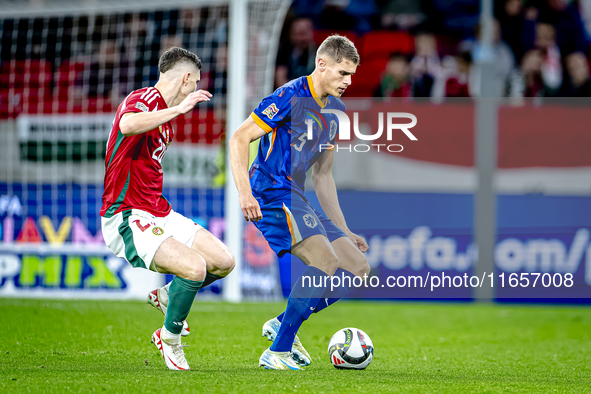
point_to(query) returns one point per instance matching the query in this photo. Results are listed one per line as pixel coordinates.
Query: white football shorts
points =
(136, 235)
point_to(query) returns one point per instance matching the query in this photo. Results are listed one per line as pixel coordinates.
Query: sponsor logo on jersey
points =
(141, 106)
(310, 221)
(271, 111)
(157, 231)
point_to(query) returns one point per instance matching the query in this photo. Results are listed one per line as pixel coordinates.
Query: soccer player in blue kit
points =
(272, 193)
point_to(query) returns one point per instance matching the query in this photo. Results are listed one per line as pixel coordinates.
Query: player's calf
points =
(158, 298)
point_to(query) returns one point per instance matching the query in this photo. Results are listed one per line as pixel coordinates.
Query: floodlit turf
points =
(56, 346)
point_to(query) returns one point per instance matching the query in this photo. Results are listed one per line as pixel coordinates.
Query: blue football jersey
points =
(285, 154)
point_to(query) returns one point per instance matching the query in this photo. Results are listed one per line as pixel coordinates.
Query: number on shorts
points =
(143, 228)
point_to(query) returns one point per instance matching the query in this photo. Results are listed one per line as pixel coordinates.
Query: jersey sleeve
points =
(141, 101)
(274, 110)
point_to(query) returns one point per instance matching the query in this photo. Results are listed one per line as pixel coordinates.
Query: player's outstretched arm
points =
(239, 150)
(326, 191)
(133, 123)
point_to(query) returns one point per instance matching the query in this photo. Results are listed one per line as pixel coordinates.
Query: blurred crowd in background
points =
(408, 48)
(89, 63)
(428, 48)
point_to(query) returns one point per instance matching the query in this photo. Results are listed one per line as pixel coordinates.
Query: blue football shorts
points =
(288, 219)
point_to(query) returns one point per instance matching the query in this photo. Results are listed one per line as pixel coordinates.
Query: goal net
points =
(64, 68)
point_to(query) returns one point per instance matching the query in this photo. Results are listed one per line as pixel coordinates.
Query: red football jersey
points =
(133, 177)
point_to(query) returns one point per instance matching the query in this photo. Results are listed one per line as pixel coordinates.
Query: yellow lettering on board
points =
(62, 233)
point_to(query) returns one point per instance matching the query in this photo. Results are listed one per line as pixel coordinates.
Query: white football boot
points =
(278, 360)
(174, 356)
(159, 299)
(300, 355)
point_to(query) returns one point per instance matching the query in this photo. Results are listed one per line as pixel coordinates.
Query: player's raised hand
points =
(193, 99)
(359, 241)
(250, 208)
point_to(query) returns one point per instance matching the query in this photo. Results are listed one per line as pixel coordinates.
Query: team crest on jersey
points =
(333, 129)
(157, 231)
(271, 111)
(310, 221)
(141, 106)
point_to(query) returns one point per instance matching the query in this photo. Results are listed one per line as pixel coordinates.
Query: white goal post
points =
(248, 20)
(237, 41)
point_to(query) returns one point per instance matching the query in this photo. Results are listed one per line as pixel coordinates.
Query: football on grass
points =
(350, 348)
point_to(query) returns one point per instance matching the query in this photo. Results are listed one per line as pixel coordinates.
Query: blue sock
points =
(331, 296)
(301, 303)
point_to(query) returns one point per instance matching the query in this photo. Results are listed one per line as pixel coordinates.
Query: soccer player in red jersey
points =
(138, 223)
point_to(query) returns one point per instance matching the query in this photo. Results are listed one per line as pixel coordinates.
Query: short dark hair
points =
(339, 48)
(176, 55)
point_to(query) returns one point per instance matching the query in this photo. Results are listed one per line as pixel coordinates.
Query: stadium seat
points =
(205, 80)
(16, 101)
(20, 74)
(68, 73)
(33, 100)
(6, 110)
(27, 84)
(367, 78)
(199, 126)
(379, 44)
(446, 45)
(97, 105)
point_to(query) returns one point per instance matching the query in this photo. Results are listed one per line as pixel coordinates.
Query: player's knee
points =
(365, 268)
(197, 271)
(361, 266)
(226, 264)
(331, 263)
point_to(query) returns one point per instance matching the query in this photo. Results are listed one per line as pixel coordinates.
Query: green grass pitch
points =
(90, 346)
